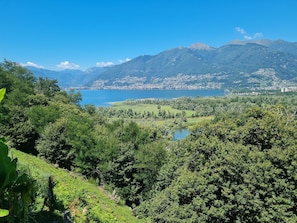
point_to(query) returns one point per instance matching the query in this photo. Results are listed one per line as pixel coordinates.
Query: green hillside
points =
(86, 201)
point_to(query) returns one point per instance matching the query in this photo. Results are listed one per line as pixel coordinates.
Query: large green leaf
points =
(2, 93)
(8, 173)
(3, 213)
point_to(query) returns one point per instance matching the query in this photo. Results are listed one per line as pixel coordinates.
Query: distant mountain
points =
(261, 64)
(255, 64)
(69, 78)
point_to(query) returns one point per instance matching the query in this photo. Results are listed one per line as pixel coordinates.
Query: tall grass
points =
(86, 201)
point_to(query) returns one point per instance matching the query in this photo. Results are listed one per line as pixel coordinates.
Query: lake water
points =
(105, 97)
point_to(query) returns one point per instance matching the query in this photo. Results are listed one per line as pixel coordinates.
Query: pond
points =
(181, 134)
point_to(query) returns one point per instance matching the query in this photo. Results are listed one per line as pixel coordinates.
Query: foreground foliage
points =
(17, 189)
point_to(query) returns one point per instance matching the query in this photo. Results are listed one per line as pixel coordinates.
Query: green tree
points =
(47, 87)
(19, 84)
(121, 174)
(148, 160)
(80, 136)
(53, 145)
(21, 131)
(40, 116)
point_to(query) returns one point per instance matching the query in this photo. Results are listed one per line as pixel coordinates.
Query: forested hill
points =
(261, 64)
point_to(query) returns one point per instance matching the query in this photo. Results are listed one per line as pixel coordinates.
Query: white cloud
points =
(258, 35)
(126, 60)
(109, 63)
(67, 65)
(30, 64)
(240, 30)
(246, 36)
(104, 64)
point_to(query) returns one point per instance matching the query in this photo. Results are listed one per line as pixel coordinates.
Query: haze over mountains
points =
(257, 64)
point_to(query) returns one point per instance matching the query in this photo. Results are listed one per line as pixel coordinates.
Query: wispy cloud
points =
(246, 36)
(240, 30)
(258, 35)
(109, 63)
(67, 65)
(30, 64)
(125, 60)
(104, 64)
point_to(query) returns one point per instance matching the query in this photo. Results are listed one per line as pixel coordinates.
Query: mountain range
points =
(257, 64)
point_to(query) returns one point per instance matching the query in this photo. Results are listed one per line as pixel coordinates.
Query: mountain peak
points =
(200, 46)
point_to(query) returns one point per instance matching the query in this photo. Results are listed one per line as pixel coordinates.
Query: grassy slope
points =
(76, 194)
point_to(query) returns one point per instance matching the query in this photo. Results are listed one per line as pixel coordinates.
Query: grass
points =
(170, 123)
(141, 108)
(196, 120)
(86, 201)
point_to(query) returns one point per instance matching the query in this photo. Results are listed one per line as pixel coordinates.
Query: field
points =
(89, 202)
(141, 108)
(176, 122)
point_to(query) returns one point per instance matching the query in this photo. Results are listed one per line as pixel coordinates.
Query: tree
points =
(81, 138)
(121, 174)
(47, 87)
(14, 124)
(74, 97)
(53, 145)
(148, 161)
(21, 131)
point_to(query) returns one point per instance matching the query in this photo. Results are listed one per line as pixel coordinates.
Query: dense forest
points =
(238, 164)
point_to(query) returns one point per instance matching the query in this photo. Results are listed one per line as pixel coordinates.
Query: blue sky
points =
(78, 34)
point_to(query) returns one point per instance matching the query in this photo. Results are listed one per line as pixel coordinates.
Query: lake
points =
(106, 97)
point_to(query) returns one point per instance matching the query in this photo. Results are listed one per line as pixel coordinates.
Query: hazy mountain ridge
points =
(261, 64)
(69, 78)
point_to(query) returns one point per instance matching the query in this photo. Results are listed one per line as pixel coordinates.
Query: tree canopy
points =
(238, 168)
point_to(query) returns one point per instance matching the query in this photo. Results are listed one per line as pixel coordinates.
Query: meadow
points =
(163, 117)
